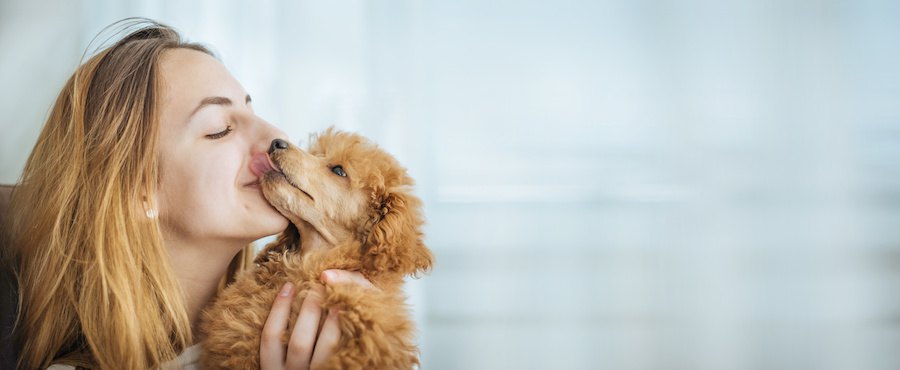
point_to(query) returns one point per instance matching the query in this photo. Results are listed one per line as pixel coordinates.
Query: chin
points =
(267, 220)
(271, 223)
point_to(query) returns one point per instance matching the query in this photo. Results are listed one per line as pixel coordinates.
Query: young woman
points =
(137, 200)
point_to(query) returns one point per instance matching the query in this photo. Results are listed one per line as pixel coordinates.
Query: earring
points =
(150, 211)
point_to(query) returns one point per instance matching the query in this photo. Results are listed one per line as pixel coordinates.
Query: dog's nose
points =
(278, 144)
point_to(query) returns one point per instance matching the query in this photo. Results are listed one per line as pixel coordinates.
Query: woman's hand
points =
(304, 350)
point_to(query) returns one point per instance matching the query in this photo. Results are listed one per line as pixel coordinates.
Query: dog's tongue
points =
(260, 164)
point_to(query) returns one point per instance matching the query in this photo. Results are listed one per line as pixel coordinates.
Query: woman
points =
(136, 201)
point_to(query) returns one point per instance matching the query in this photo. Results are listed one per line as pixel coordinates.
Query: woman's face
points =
(208, 133)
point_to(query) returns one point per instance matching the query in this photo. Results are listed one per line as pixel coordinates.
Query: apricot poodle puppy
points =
(350, 207)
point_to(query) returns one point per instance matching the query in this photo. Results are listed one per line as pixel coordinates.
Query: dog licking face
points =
(316, 193)
(348, 189)
(351, 207)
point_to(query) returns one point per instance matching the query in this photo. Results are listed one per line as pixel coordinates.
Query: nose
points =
(277, 144)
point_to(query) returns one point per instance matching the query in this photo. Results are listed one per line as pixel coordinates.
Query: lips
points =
(260, 164)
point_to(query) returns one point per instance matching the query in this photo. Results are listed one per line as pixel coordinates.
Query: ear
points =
(395, 241)
(288, 240)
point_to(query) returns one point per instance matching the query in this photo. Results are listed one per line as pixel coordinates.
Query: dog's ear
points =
(288, 240)
(395, 241)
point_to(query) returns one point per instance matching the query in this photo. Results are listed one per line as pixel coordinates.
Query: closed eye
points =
(338, 170)
(220, 134)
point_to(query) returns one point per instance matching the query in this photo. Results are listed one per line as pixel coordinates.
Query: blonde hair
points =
(96, 286)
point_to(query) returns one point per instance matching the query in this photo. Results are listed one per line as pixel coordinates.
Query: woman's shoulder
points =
(187, 360)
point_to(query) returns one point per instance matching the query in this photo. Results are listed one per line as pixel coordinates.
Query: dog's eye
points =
(338, 170)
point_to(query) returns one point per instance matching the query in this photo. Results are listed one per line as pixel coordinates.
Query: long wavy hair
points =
(96, 286)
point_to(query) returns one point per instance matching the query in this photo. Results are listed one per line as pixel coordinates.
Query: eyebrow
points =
(217, 100)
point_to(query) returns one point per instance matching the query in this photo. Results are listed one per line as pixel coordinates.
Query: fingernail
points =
(328, 275)
(286, 290)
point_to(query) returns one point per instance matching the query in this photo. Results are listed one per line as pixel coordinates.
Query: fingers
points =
(328, 340)
(303, 337)
(305, 349)
(332, 277)
(271, 350)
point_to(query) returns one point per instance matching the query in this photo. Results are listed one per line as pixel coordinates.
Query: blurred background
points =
(609, 184)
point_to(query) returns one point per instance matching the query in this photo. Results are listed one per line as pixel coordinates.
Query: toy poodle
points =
(350, 206)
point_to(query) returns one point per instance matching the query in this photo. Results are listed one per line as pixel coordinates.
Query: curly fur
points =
(369, 222)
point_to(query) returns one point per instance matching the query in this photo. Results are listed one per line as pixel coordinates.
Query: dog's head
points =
(345, 187)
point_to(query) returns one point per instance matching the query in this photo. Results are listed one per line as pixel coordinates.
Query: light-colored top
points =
(187, 360)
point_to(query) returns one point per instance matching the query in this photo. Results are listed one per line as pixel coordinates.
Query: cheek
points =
(358, 205)
(333, 198)
(198, 185)
(346, 204)
(181, 193)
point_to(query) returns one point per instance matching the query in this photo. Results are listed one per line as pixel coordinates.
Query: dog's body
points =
(350, 207)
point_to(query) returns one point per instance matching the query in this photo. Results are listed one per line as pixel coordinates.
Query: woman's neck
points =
(199, 269)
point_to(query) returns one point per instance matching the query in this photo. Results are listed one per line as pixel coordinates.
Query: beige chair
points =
(8, 296)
